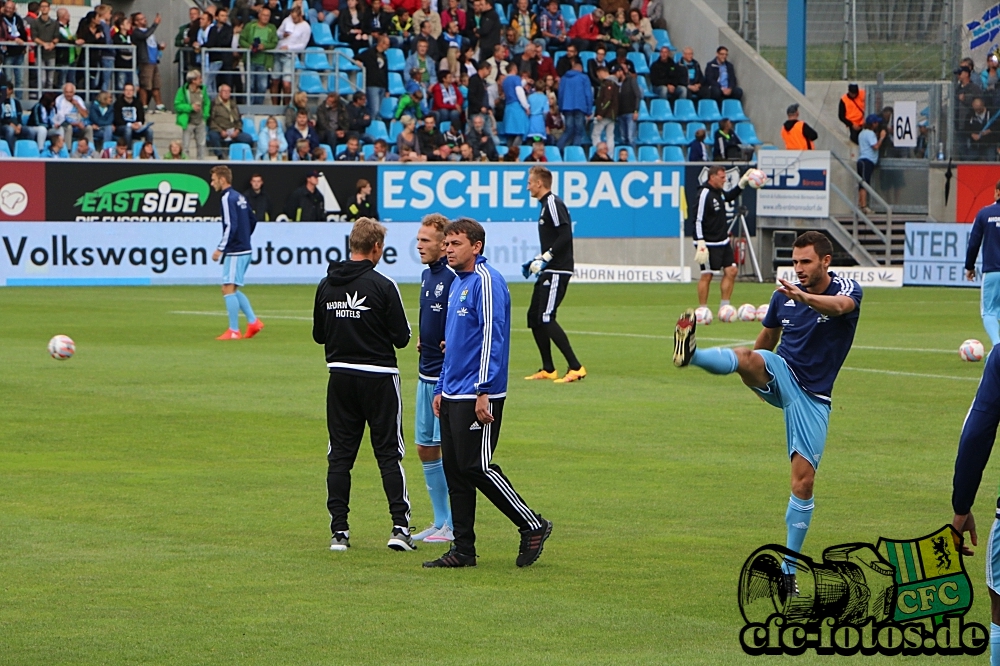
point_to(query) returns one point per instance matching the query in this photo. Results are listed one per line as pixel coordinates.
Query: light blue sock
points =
(994, 644)
(233, 308)
(245, 306)
(437, 488)
(717, 360)
(797, 518)
(992, 327)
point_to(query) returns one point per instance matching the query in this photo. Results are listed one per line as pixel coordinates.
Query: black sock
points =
(558, 336)
(544, 348)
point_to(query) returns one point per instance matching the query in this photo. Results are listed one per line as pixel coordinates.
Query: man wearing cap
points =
(965, 92)
(852, 110)
(796, 134)
(306, 203)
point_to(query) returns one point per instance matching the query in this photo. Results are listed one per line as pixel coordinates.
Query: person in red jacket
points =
(586, 32)
(447, 99)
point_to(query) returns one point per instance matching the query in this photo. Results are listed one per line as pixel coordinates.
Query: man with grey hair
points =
(192, 107)
(71, 115)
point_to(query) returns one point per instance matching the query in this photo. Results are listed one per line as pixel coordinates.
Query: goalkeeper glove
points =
(744, 180)
(539, 263)
(701, 254)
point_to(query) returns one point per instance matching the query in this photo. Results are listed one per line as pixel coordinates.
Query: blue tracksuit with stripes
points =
(238, 223)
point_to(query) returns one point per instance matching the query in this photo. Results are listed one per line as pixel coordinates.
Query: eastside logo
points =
(156, 197)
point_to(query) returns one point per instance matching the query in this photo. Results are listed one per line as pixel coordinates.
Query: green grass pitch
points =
(162, 495)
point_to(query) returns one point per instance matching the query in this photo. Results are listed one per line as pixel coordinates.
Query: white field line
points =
(223, 314)
(910, 374)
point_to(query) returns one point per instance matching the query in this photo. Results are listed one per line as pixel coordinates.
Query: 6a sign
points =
(904, 125)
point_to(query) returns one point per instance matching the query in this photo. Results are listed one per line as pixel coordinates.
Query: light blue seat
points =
(649, 135)
(368, 150)
(644, 116)
(445, 126)
(694, 127)
(396, 87)
(586, 56)
(659, 111)
(586, 9)
(574, 154)
(263, 124)
(525, 151)
(662, 38)
(329, 150)
(629, 149)
(4, 149)
(322, 35)
(240, 152)
(747, 134)
(673, 154)
(501, 150)
(708, 111)
(684, 111)
(343, 57)
(26, 148)
(316, 60)
(673, 135)
(647, 92)
(552, 154)
(569, 14)
(733, 109)
(639, 60)
(340, 83)
(377, 130)
(395, 61)
(395, 127)
(649, 154)
(309, 82)
(388, 108)
(249, 128)
(557, 57)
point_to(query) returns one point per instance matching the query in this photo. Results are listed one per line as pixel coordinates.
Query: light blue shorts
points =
(234, 267)
(993, 556)
(806, 418)
(989, 295)
(427, 431)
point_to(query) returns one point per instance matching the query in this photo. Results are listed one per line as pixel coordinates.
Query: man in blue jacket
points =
(576, 101)
(720, 77)
(238, 223)
(469, 399)
(986, 234)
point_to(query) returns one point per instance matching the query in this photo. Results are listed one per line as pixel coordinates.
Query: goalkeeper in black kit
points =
(553, 269)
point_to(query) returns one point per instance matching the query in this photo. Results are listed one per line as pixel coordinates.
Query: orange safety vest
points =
(794, 138)
(855, 108)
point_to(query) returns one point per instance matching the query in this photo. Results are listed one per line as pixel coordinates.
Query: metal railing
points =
(859, 215)
(85, 69)
(250, 82)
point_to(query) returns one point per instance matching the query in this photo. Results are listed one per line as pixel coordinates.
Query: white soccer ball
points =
(762, 312)
(703, 316)
(756, 178)
(747, 312)
(62, 347)
(972, 350)
(727, 314)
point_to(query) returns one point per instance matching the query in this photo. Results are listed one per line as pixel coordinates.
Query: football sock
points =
(544, 347)
(994, 644)
(245, 306)
(558, 336)
(437, 488)
(797, 518)
(233, 308)
(992, 327)
(717, 360)
(724, 301)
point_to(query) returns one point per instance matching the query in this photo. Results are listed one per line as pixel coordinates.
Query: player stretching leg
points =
(815, 322)
(435, 284)
(985, 232)
(978, 435)
(711, 234)
(238, 223)
(554, 267)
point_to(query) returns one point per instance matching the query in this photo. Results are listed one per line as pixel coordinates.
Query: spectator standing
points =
(796, 134)
(121, 35)
(481, 140)
(599, 61)
(352, 27)
(605, 110)
(306, 203)
(261, 37)
(45, 33)
(65, 50)
(448, 99)
(376, 66)
(980, 140)
(668, 78)
(424, 32)
(452, 37)
(192, 106)
(294, 34)
(332, 122)
(271, 132)
(538, 109)
(225, 124)
(362, 206)
(277, 13)
(629, 96)
(101, 117)
(71, 115)
(576, 100)
(586, 32)
(220, 36)
(185, 39)
(726, 145)
(377, 20)
(498, 65)
(487, 27)
(147, 57)
(358, 118)
(720, 77)
(12, 29)
(515, 119)
(325, 11)
(851, 110)
(695, 75)
(868, 147)
(553, 27)
(601, 153)
(988, 78)
(107, 77)
(257, 199)
(425, 13)
(479, 98)
(524, 23)
(965, 91)
(698, 151)
(130, 117)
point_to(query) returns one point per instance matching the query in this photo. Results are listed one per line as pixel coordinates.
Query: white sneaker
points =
(420, 536)
(444, 534)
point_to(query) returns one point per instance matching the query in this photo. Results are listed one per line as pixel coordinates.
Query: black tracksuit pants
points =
(352, 400)
(467, 448)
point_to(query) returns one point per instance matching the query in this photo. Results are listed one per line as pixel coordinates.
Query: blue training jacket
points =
(477, 331)
(978, 435)
(238, 223)
(985, 232)
(435, 288)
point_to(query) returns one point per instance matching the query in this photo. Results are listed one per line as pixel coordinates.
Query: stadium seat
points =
(711, 131)
(631, 153)
(662, 38)
(240, 152)
(377, 130)
(395, 60)
(569, 14)
(747, 134)
(694, 127)
(585, 58)
(316, 60)
(644, 116)
(500, 130)
(339, 83)
(647, 92)
(395, 127)
(639, 60)
(396, 87)
(659, 111)
(343, 59)
(26, 148)
(733, 109)
(501, 150)
(552, 154)
(445, 126)
(341, 149)
(322, 35)
(673, 135)
(525, 151)
(649, 135)
(574, 154)
(708, 111)
(388, 108)
(684, 111)
(557, 57)
(4, 149)
(368, 150)
(329, 150)
(649, 154)
(586, 9)
(309, 82)
(673, 154)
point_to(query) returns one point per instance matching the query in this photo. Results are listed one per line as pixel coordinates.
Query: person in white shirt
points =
(293, 38)
(71, 116)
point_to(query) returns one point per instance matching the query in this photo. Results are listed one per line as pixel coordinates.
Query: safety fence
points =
(90, 67)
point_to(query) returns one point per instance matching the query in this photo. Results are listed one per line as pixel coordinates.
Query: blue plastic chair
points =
(733, 109)
(368, 150)
(525, 151)
(747, 134)
(659, 111)
(639, 60)
(673, 154)
(694, 127)
(629, 149)
(377, 130)
(552, 154)
(501, 150)
(322, 35)
(445, 126)
(341, 149)
(388, 108)
(26, 148)
(558, 55)
(586, 9)
(644, 116)
(586, 57)
(500, 129)
(673, 135)
(647, 92)
(316, 60)
(684, 111)
(708, 111)
(343, 57)
(649, 135)
(396, 87)
(4, 149)
(649, 154)
(309, 82)
(395, 61)
(574, 154)
(263, 123)
(342, 85)
(240, 152)
(329, 150)
(395, 127)
(662, 38)
(569, 14)
(249, 128)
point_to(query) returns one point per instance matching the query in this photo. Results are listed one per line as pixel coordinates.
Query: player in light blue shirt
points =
(869, 144)
(986, 234)
(814, 321)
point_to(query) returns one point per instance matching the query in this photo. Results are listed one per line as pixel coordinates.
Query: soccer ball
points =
(703, 316)
(762, 312)
(756, 178)
(747, 312)
(727, 314)
(61, 347)
(971, 350)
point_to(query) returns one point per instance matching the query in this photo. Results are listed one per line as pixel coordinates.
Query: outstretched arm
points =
(831, 306)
